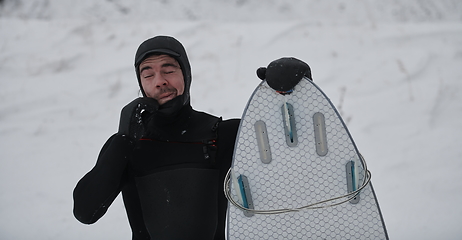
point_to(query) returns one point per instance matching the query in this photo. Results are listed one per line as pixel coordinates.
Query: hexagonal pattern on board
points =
(297, 175)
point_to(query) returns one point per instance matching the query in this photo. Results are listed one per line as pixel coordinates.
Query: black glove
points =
(134, 116)
(284, 73)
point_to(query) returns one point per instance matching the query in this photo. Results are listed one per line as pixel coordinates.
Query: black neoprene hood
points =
(165, 45)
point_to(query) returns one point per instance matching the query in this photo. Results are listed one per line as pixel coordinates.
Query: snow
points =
(393, 68)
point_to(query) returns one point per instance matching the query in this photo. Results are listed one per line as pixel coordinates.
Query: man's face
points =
(161, 78)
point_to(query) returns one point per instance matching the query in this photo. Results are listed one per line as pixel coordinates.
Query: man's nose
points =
(160, 81)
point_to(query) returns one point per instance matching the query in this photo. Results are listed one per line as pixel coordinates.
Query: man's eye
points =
(147, 76)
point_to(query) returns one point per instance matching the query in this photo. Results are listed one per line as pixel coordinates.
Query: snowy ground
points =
(397, 83)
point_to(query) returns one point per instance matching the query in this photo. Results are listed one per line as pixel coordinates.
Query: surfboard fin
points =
(320, 135)
(263, 141)
(289, 124)
(246, 195)
(352, 179)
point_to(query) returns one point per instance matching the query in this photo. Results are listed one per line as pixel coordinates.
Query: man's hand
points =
(134, 116)
(284, 73)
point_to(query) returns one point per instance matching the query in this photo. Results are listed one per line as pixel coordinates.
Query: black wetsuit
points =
(171, 179)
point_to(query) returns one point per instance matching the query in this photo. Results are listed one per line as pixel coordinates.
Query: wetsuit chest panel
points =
(151, 156)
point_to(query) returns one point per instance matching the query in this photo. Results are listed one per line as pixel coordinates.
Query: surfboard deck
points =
(293, 151)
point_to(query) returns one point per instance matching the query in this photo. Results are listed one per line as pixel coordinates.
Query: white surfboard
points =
(297, 173)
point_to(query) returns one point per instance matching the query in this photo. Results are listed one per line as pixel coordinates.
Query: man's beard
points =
(165, 92)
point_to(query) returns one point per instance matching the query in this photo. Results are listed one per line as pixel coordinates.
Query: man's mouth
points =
(166, 96)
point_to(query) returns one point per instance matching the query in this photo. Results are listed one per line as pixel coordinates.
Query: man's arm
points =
(96, 191)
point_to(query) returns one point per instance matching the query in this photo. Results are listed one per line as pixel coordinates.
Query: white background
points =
(393, 69)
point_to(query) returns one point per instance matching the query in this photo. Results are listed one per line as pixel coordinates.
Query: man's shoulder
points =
(229, 127)
(203, 118)
(231, 123)
(204, 115)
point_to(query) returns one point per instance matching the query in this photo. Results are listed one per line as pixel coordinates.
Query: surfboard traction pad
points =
(297, 175)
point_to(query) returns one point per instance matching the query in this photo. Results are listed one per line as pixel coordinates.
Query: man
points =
(168, 160)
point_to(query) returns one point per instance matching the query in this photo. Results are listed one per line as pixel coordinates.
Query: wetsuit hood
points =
(172, 47)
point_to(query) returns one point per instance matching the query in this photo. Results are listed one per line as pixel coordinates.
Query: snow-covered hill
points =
(393, 68)
(337, 11)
